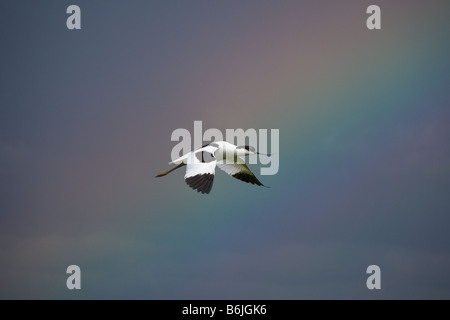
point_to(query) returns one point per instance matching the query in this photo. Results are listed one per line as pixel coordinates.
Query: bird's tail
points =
(161, 174)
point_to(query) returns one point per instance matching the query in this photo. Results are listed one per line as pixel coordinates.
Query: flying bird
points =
(201, 164)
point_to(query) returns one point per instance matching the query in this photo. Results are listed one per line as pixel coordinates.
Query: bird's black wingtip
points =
(201, 182)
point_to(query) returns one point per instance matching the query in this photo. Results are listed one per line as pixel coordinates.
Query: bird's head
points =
(248, 151)
(245, 150)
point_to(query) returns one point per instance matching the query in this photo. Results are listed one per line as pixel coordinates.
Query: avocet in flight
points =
(201, 165)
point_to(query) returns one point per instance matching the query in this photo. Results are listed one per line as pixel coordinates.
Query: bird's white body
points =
(202, 162)
(222, 150)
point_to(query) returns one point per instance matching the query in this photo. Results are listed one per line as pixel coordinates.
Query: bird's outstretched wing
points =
(239, 171)
(200, 170)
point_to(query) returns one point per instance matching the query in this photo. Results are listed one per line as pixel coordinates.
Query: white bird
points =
(201, 165)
